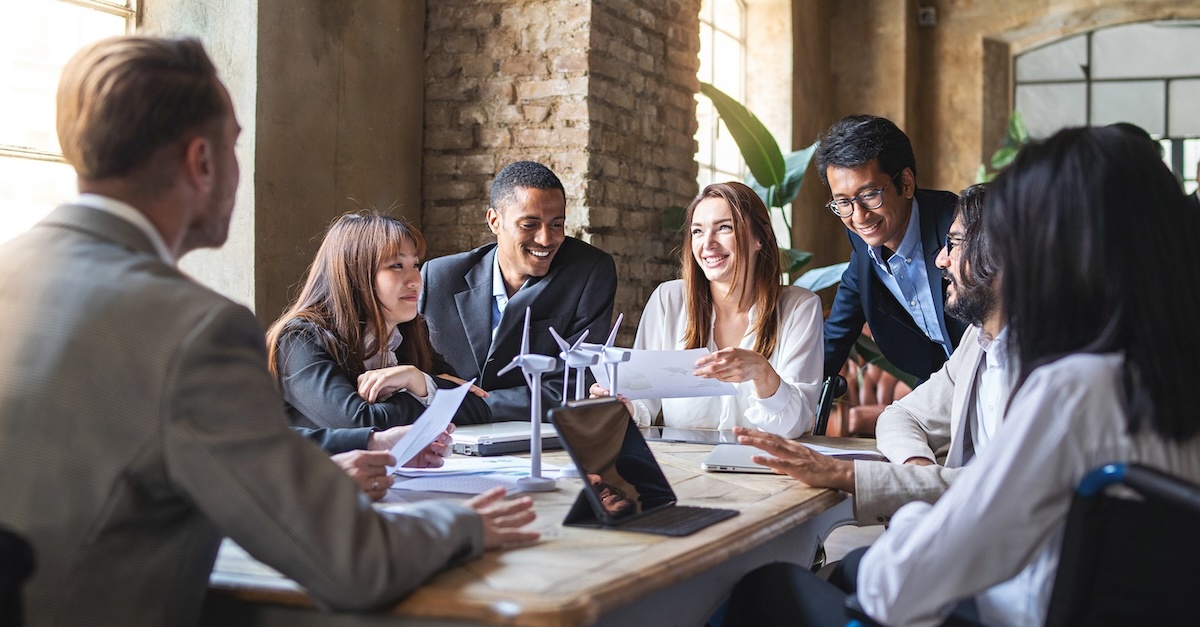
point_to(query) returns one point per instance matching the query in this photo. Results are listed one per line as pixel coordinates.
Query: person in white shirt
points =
(765, 338)
(1094, 237)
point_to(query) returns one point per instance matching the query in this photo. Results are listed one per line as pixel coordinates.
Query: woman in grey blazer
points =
(325, 351)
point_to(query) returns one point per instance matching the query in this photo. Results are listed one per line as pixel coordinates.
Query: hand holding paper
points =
(433, 422)
(664, 374)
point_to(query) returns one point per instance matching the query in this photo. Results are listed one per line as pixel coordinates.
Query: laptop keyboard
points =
(678, 520)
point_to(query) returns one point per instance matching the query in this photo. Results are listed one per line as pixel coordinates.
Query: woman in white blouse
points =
(765, 337)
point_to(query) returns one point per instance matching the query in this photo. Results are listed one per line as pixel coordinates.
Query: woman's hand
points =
(432, 456)
(599, 392)
(735, 365)
(378, 385)
(503, 520)
(475, 389)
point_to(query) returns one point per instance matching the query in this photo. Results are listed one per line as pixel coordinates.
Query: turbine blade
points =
(578, 342)
(525, 335)
(612, 336)
(561, 342)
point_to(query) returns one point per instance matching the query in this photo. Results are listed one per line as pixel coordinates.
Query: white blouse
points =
(797, 360)
(996, 534)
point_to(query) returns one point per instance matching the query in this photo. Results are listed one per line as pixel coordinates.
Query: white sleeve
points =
(799, 362)
(653, 333)
(1003, 508)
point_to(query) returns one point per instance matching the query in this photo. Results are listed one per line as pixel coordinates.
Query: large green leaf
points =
(759, 149)
(792, 260)
(795, 165)
(821, 278)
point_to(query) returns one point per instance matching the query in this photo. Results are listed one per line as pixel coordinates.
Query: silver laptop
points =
(501, 438)
(734, 458)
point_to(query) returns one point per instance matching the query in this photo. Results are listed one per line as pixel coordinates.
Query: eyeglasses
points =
(869, 200)
(951, 241)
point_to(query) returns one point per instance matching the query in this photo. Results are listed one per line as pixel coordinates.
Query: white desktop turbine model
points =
(575, 357)
(533, 366)
(610, 355)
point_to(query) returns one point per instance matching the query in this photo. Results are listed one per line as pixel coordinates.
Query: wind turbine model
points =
(575, 357)
(610, 355)
(533, 366)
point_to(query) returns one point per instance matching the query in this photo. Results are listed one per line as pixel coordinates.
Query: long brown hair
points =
(751, 223)
(339, 298)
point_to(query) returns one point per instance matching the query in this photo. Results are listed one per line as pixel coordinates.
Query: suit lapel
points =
(475, 308)
(931, 244)
(964, 395)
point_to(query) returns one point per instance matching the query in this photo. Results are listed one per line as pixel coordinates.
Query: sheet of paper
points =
(461, 464)
(662, 374)
(469, 475)
(432, 422)
(844, 453)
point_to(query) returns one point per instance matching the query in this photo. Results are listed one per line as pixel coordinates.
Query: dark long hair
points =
(1097, 243)
(751, 223)
(339, 298)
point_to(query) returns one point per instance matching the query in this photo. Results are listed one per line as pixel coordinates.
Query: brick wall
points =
(601, 93)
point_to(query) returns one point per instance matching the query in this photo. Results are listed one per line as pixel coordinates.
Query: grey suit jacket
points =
(138, 424)
(576, 294)
(930, 422)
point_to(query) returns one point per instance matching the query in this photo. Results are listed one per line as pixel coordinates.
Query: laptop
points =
(500, 438)
(623, 485)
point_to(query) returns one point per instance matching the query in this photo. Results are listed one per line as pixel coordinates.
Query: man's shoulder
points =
(578, 251)
(938, 200)
(465, 259)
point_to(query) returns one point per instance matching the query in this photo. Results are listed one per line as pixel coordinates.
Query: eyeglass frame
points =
(859, 198)
(951, 241)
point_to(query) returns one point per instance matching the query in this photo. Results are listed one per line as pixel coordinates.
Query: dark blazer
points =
(317, 392)
(334, 441)
(576, 294)
(862, 297)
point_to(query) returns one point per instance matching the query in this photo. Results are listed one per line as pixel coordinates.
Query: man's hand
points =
(432, 456)
(798, 461)
(475, 389)
(368, 469)
(502, 520)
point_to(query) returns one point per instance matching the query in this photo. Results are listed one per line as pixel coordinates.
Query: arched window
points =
(36, 39)
(722, 64)
(1146, 73)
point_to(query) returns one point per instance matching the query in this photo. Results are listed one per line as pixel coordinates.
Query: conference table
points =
(580, 576)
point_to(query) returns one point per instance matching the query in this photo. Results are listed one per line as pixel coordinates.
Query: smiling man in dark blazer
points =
(896, 231)
(474, 302)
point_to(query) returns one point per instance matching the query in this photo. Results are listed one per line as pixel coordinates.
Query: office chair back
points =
(16, 564)
(1125, 561)
(831, 389)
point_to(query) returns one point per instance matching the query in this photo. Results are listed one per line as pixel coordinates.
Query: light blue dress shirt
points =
(906, 277)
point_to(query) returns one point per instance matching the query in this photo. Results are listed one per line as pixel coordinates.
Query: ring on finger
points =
(375, 484)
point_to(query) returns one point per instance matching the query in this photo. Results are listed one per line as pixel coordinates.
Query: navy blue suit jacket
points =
(862, 297)
(576, 294)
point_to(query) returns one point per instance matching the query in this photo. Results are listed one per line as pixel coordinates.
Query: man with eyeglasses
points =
(896, 231)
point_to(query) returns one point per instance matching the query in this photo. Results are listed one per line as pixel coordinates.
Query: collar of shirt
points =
(995, 349)
(910, 246)
(385, 358)
(499, 294)
(127, 213)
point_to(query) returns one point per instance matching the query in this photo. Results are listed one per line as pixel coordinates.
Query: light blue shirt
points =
(499, 295)
(907, 278)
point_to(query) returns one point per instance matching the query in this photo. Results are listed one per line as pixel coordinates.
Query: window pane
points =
(727, 16)
(1191, 163)
(706, 116)
(1047, 108)
(1147, 49)
(1139, 102)
(706, 66)
(727, 65)
(728, 156)
(29, 190)
(1185, 108)
(1063, 60)
(36, 39)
